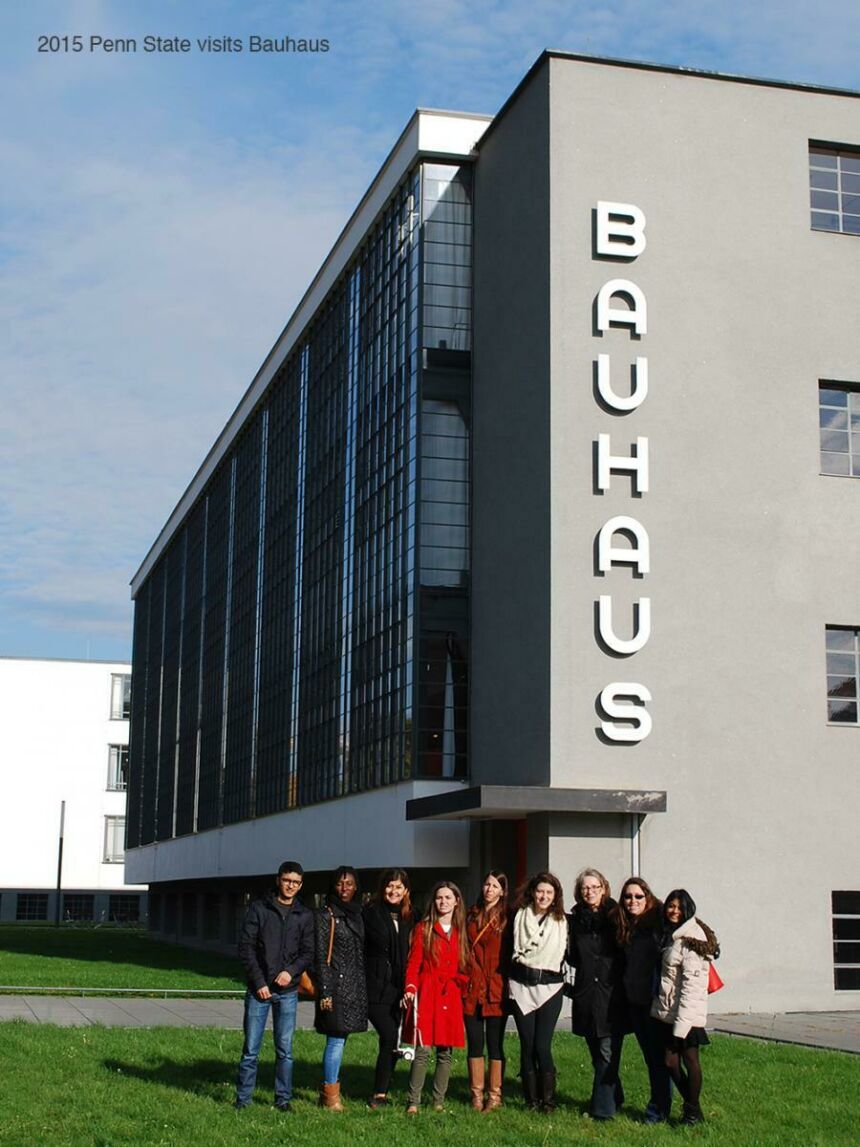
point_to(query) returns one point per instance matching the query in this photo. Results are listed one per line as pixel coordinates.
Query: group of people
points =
(451, 977)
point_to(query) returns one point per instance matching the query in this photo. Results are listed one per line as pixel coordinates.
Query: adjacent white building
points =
(64, 745)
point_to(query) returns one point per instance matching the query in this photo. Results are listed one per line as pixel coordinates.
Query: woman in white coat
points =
(689, 946)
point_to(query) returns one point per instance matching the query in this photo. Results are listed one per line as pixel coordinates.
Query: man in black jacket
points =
(276, 946)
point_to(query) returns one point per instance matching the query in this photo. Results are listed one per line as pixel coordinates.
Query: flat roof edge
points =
(517, 801)
(423, 137)
(669, 69)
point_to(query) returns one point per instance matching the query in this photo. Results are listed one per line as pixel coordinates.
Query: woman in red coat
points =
(435, 978)
(486, 994)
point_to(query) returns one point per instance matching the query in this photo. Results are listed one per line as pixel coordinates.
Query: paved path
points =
(840, 1030)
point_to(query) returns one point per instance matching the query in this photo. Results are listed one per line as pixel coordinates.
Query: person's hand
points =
(326, 1004)
(408, 997)
(283, 979)
(263, 993)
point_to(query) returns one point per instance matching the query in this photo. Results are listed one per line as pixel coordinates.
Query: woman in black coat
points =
(640, 930)
(341, 1006)
(387, 930)
(598, 1005)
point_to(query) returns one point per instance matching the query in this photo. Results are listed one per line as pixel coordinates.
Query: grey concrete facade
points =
(753, 550)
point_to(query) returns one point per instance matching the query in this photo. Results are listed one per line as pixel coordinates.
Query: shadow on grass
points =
(113, 946)
(215, 1079)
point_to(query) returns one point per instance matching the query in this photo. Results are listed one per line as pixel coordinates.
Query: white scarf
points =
(539, 941)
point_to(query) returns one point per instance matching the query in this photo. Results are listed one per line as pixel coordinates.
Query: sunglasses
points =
(633, 896)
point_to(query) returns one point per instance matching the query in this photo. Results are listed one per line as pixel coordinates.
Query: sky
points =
(162, 213)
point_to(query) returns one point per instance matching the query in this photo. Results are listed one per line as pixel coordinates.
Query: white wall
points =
(55, 729)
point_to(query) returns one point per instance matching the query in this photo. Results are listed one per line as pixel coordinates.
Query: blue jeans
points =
(283, 1006)
(607, 1094)
(333, 1057)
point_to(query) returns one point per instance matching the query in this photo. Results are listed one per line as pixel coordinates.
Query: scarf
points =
(539, 941)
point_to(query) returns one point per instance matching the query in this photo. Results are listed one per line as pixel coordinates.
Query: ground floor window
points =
(124, 908)
(32, 906)
(78, 906)
(846, 941)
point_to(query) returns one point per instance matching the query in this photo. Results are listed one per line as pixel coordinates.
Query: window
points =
(124, 908)
(834, 189)
(114, 839)
(839, 427)
(32, 906)
(78, 906)
(117, 768)
(846, 941)
(120, 696)
(842, 647)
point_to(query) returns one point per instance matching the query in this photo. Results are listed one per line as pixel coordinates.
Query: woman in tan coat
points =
(689, 946)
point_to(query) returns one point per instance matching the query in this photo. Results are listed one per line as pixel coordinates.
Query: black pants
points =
(386, 1019)
(536, 1032)
(477, 1026)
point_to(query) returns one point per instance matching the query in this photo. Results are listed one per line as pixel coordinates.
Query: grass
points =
(109, 958)
(111, 1086)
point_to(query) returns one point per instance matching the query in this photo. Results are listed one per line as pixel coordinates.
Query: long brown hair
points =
(498, 914)
(625, 924)
(458, 920)
(388, 876)
(526, 898)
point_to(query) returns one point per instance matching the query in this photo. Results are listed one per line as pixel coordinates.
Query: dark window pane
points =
(850, 183)
(849, 162)
(846, 979)
(847, 952)
(851, 224)
(819, 157)
(846, 928)
(822, 222)
(846, 903)
(841, 687)
(842, 712)
(835, 441)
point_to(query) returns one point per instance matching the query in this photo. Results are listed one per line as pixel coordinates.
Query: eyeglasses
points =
(592, 888)
(633, 896)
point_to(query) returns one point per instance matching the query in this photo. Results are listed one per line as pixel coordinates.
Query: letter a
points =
(635, 316)
(638, 555)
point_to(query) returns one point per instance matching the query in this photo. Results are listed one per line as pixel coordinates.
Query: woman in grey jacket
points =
(689, 946)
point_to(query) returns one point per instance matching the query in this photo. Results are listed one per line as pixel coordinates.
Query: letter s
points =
(632, 711)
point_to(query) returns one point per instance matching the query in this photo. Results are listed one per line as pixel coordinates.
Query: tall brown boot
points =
(330, 1096)
(494, 1084)
(476, 1083)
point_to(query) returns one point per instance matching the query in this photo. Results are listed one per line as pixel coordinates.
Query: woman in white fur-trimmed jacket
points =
(689, 946)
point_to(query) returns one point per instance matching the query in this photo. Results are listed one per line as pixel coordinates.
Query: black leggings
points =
(536, 1031)
(686, 1072)
(386, 1019)
(476, 1027)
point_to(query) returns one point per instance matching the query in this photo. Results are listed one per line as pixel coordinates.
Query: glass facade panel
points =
(275, 637)
(838, 406)
(834, 200)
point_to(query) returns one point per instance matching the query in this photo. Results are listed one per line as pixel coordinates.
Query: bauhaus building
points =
(534, 542)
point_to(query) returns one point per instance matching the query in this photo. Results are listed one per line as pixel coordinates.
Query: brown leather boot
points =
(476, 1083)
(494, 1085)
(330, 1096)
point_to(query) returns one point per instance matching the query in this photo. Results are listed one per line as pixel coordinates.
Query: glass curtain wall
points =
(279, 657)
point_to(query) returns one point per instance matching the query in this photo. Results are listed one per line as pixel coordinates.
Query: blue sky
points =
(161, 216)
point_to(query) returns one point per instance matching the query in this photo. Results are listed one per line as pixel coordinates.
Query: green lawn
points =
(112, 1086)
(108, 958)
